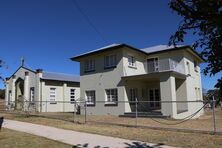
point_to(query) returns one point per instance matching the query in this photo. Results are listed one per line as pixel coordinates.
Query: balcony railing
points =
(164, 65)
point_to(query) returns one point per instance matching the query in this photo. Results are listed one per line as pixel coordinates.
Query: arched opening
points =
(19, 93)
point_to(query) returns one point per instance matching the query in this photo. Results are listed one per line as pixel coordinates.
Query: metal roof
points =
(60, 77)
(160, 48)
(148, 50)
(102, 48)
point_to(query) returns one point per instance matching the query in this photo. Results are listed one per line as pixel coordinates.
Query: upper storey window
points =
(195, 66)
(89, 65)
(131, 61)
(110, 61)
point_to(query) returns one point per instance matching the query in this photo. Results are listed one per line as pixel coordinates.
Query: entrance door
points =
(154, 95)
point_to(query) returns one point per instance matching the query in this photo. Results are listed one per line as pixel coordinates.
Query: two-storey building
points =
(112, 78)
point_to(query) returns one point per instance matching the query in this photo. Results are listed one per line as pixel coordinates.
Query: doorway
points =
(154, 97)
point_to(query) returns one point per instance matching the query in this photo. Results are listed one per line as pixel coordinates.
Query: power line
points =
(89, 21)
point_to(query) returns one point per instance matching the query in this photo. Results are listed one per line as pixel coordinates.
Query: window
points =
(52, 95)
(89, 65)
(72, 96)
(133, 94)
(9, 97)
(32, 94)
(153, 65)
(110, 61)
(111, 96)
(188, 68)
(131, 61)
(195, 66)
(90, 97)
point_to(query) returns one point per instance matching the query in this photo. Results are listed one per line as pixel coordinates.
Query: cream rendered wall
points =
(140, 59)
(62, 94)
(68, 107)
(103, 79)
(193, 80)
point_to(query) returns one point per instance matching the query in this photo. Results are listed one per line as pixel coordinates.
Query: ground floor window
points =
(9, 97)
(52, 95)
(90, 97)
(32, 94)
(133, 94)
(197, 93)
(111, 96)
(72, 96)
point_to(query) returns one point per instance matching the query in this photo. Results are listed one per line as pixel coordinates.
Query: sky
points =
(47, 33)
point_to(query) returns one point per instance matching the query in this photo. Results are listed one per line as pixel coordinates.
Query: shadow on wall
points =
(128, 145)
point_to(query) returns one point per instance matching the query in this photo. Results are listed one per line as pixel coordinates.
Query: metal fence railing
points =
(191, 116)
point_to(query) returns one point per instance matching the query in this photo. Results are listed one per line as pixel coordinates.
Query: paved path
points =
(74, 138)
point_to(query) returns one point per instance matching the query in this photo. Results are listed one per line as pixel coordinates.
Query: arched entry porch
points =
(19, 93)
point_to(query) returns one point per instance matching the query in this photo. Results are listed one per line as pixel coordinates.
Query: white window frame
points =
(52, 95)
(72, 96)
(155, 63)
(195, 64)
(110, 61)
(90, 97)
(111, 96)
(131, 61)
(32, 94)
(188, 68)
(89, 65)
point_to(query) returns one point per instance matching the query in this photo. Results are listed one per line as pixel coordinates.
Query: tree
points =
(204, 19)
(1, 64)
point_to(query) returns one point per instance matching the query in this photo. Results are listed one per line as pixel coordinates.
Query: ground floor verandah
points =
(159, 93)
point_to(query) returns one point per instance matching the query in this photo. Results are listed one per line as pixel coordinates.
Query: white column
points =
(38, 90)
(26, 87)
(64, 96)
(7, 101)
(42, 98)
(168, 93)
(26, 97)
(13, 88)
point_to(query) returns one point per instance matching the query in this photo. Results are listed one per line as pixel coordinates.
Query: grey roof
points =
(60, 77)
(99, 49)
(160, 48)
(144, 50)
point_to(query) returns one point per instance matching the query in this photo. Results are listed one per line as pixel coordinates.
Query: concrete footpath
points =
(74, 138)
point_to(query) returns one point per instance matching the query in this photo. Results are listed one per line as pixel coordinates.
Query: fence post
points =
(136, 111)
(85, 110)
(46, 103)
(74, 104)
(214, 118)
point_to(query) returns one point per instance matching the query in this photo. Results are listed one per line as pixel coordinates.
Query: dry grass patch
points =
(14, 139)
(171, 138)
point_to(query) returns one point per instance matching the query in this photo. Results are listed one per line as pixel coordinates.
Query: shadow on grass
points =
(128, 145)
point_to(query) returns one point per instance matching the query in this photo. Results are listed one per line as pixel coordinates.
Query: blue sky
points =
(48, 32)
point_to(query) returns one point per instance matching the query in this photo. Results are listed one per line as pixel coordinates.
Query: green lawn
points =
(14, 139)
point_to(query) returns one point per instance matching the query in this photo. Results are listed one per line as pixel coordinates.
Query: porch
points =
(156, 94)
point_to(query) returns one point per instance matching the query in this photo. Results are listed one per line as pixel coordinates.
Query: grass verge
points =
(14, 139)
(179, 139)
